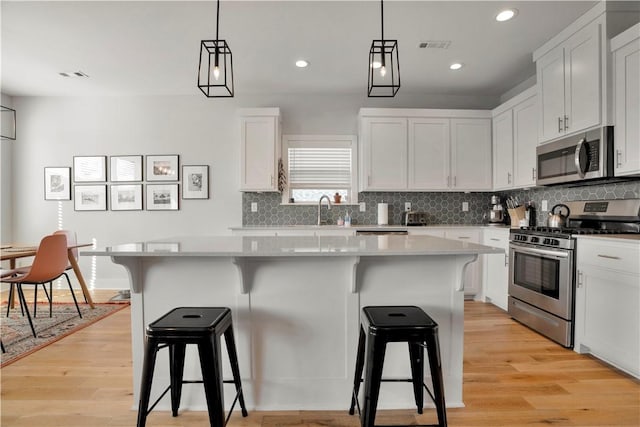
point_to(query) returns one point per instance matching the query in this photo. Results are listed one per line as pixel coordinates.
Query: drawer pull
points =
(494, 239)
(463, 237)
(608, 256)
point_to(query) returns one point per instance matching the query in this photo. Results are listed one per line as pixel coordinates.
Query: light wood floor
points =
(512, 377)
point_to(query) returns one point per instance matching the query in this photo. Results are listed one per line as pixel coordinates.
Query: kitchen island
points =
(296, 303)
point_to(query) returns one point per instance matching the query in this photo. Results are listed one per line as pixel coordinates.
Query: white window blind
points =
(314, 167)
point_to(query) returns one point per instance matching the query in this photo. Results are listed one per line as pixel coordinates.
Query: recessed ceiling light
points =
(455, 66)
(506, 14)
(301, 63)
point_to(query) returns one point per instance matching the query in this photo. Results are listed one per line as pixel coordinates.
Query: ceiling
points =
(152, 47)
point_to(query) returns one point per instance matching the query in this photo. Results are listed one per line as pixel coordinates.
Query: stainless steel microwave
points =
(585, 156)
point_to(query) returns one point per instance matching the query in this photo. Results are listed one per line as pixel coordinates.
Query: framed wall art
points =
(162, 197)
(89, 168)
(57, 183)
(126, 197)
(162, 168)
(90, 197)
(125, 168)
(195, 182)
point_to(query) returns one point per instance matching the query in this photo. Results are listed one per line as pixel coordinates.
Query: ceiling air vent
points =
(73, 74)
(435, 44)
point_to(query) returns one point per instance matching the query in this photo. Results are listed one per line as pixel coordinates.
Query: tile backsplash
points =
(442, 208)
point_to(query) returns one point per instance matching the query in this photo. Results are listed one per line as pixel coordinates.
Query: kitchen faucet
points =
(324, 196)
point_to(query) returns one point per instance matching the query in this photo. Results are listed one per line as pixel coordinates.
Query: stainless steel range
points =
(542, 268)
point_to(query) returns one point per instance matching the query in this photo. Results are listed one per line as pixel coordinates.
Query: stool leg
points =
(433, 349)
(176, 368)
(148, 365)
(416, 355)
(209, 351)
(357, 377)
(235, 369)
(376, 349)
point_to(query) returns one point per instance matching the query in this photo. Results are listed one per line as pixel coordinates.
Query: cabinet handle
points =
(579, 284)
(455, 181)
(608, 256)
(369, 180)
(464, 237)
(494, 239)
(272, 180)
(533, 173)
(448, 181)
(506, 260)
(566, 122)
(559, 124)
(618, 154)
(508, 177)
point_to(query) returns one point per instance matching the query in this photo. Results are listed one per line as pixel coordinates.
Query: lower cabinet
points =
(473, 274)
(496, 267)
(607, 323)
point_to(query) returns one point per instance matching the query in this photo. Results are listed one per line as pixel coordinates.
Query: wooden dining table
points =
(12, 252)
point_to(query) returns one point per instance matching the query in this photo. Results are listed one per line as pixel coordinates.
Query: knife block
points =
(516, 215)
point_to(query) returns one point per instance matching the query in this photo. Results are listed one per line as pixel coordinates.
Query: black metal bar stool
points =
(202, 326)
(380, 325)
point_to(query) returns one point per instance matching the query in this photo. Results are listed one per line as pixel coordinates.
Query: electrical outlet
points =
(363, 207)
(465, 206)
(407, 206)
(544, 206)
(254, 206)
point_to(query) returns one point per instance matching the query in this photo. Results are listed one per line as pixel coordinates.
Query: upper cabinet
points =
(425, 150)
(515, 139)
(260, 148)
(570, 84)
(573, 71)
(626, 77)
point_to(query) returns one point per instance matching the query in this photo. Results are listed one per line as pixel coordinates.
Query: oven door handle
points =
(532, 251)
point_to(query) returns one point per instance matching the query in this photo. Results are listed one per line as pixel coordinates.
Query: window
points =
(318, 165)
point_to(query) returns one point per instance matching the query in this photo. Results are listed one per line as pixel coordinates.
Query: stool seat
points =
(380, 325)
(183, 322)
(203, 326)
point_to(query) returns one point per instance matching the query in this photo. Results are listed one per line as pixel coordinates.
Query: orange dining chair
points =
(49, 263)
(72, 240)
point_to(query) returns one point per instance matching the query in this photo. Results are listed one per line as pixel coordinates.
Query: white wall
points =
(202, 131)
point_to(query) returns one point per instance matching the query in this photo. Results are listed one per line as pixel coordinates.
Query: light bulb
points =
(383, 71)
(216, 72)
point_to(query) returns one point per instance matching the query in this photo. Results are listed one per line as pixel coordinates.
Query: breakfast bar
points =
(296, 305)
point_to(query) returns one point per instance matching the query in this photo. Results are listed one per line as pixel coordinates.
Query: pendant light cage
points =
(383, 53)
(7, 123)
(215, 66)
(215, 55)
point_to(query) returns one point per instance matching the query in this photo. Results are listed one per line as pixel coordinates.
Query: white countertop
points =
(268, 246)
(360, 227)
(614, 237)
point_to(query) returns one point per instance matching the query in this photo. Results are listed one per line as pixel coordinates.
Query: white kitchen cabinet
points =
(384, 155)
(496, 267)
(569, 82)
(425, 150)
(260, 149)
(626, 77)
(471, 154)
(429, 153)
(515, 138)
(503, 151)
(607, 323)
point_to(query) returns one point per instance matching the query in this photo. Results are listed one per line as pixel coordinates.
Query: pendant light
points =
(215, 67)
(384, 68)
(7, 123)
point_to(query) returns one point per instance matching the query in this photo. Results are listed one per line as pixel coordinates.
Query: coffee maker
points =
(495, 215)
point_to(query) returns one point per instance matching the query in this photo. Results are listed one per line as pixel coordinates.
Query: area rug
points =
(18, 340)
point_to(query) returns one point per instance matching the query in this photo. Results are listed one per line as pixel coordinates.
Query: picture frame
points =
(125, 168)
(57, 183)
(162, 168)
(90, 197)
(90, 168)
(195, 182)
(162, 197)
(126, 197)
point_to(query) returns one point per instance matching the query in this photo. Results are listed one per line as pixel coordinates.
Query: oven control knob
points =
(546, 241)
(535, 240)
(555, 242)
